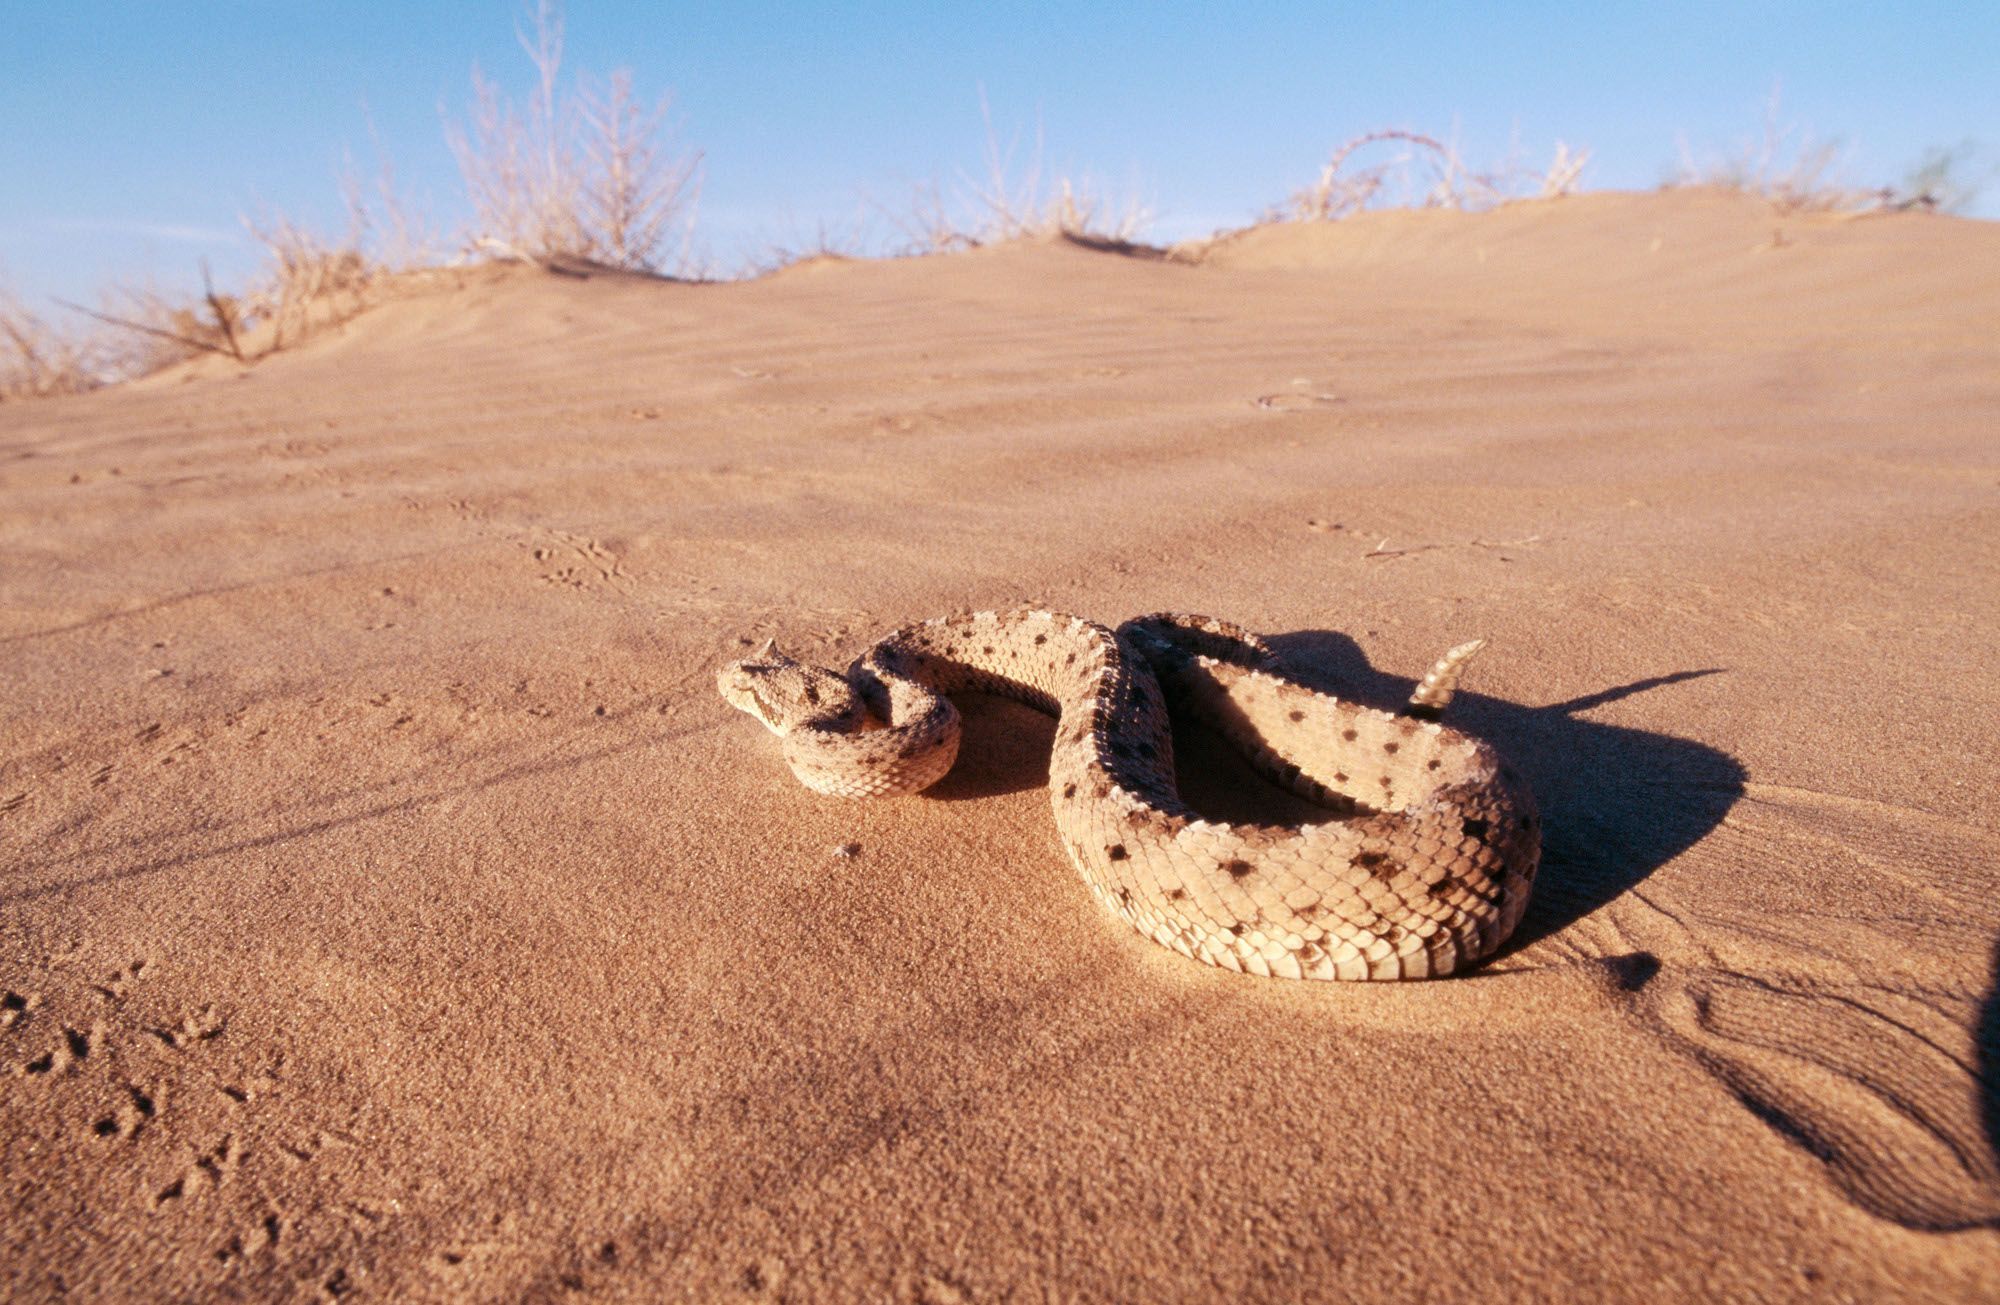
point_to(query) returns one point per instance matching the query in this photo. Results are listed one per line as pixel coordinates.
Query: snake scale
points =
(1423, 867)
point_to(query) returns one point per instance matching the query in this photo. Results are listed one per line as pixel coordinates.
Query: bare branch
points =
(109, 320)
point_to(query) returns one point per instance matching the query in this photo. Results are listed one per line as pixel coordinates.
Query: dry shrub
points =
(1564, 175)
(1785, 165)
(849, 239)
(308, 283)
(1945, 180)
(306, 286)
(134, 333)
(1002, 205)
(37, 359)
(1424, 173)
(584, 171)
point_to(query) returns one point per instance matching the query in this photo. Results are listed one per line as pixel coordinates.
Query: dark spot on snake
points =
(1116, 851)
(1237, 868)
(1432, 764)
(1237, 929)
(1124, 897)
(812, 696)
(1475, 828)
(1069, 790)
(1385, 781)
(1349, 735)
(1178, 895)
(988, 650)
(1070, 660)
(1340, 777)
(1390, 747)
(1041, 639)
(1379, 865)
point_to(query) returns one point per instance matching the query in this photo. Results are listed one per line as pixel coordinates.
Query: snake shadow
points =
(1616, 803)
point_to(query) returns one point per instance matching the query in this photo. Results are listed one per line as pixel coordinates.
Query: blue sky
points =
(133, 136)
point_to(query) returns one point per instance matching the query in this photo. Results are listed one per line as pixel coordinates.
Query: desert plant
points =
(1006, 204)
(635, 186)
(1425, 173)
(581, 172)
(1944, 180)
(1565, 172)
(172, 329)
(1785, 165)
(827, 239)
(308, 282)
(1335, 196)
(37, 359)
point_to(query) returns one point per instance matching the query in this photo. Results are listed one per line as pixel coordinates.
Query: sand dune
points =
(390, 906)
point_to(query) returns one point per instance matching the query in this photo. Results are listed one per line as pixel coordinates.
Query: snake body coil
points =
(1423, 867)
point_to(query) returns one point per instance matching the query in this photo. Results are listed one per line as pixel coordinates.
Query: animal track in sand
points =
(59, 780)
(71, 1049)
(118, 983)
(263, 1236)
(148, 1099)
(1863, 1079)
(1873, 1071)
(130, 1096)
(211, 1168)
(576, 561)
(198, 1026)
(131, 1118)
(14, 1007)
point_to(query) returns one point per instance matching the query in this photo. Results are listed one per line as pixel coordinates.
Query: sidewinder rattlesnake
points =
(1424, 867)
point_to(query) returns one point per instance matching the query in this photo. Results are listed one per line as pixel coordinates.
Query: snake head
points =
(784, 693)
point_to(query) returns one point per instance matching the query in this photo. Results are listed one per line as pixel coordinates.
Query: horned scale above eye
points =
(1392, 885)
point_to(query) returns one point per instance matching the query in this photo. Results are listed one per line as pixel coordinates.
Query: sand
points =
(390, 907)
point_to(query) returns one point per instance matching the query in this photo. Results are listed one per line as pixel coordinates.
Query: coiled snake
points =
(1423, 868)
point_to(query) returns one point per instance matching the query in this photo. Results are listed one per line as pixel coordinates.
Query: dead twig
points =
(188, 340)
(1293, 402)
(1382, 550)
(225, 314)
